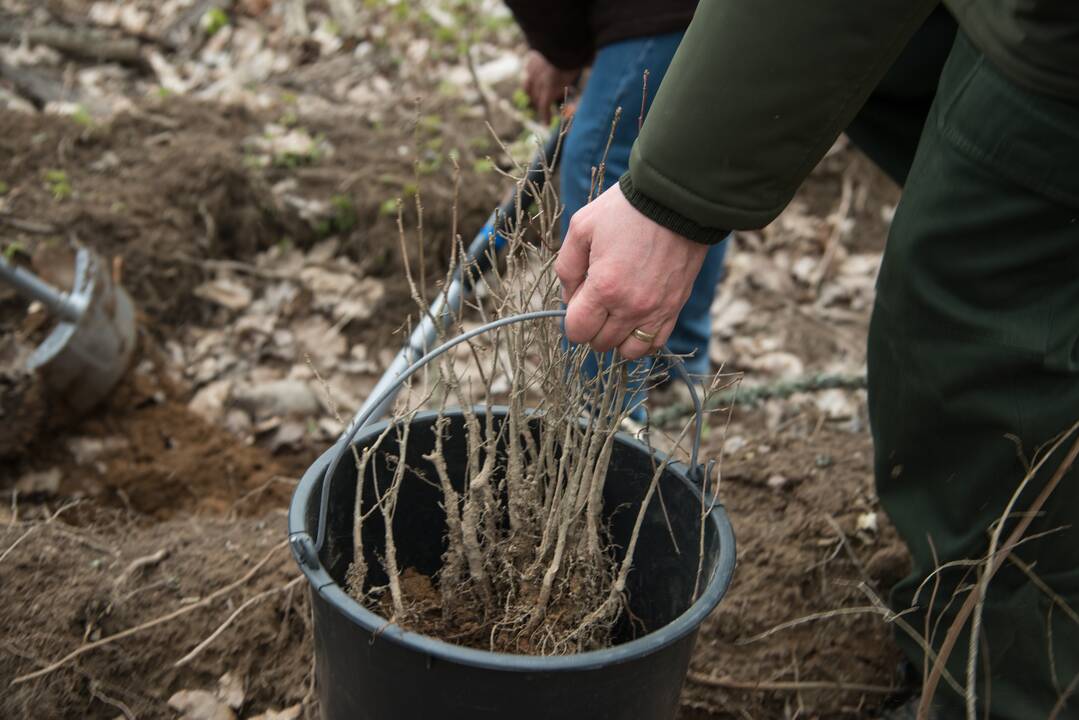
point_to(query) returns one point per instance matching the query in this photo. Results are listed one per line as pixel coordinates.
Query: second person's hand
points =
(546, 84)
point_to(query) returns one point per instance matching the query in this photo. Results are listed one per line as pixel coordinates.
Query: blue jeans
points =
(616, 81)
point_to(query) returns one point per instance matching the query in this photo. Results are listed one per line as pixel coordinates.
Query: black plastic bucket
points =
(367, 669)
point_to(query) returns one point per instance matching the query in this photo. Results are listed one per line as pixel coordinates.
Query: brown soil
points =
(81, 573)
(162, 189)
(794, 500)
(173, 187)
(146, 452)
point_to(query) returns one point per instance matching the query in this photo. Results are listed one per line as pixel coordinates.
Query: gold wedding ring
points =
(643, 336)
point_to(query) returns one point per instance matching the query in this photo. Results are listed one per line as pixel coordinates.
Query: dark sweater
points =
(568, 33)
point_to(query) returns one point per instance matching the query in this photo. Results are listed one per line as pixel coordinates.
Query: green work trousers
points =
(974, 367)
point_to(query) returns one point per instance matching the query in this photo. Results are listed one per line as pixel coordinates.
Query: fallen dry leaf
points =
(225, 292)
(200, 705)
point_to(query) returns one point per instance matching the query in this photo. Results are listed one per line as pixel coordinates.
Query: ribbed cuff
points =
(669, 218)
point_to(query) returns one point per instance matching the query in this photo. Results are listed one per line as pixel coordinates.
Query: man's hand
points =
(546, 84)
(621, 272)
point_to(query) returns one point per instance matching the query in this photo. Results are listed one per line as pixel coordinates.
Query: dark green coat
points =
(759, 91)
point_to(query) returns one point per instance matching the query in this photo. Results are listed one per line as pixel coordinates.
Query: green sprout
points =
(388, 207)
(13, 249)
(343, 220)
(430, 164)
(57, 183)
(82, 117)
(289, 119)
(214, 20)
(521, 100)
(344, 213)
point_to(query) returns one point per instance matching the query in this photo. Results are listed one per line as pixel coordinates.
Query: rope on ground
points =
(727, 683)
(751, 396)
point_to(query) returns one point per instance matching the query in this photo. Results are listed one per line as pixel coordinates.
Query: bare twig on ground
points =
(815, 617)
(906, 627)
(98, 693)
(254, 599)
(850, 551)
(83, 649)
(95, 683)
(727, 683)
(36, 526)
(138, 564)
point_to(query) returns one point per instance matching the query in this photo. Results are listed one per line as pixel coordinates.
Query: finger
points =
(571, 266)
(612, 334)
(553, 97)
(633, 348)
(585, 316)
(531, 88)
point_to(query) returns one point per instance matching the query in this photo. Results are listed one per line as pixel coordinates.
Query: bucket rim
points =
(335, 595)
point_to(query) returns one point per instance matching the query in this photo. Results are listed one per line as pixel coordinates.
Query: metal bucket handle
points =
(696, 472)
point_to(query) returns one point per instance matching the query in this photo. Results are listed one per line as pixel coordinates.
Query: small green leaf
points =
(521, 99)
(12, 249)
(214, 20)
(388, 207)
(57, 183)
(82, 117)
(344, 213)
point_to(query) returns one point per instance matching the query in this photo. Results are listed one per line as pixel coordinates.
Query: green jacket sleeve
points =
(756, 94)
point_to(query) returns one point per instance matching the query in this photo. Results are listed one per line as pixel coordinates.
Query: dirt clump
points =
(22, 400)
(145, 451)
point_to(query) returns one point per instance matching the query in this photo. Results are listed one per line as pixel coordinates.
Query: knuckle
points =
(607, 288)
(576, 224)
(565, 269)
(640, 304)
